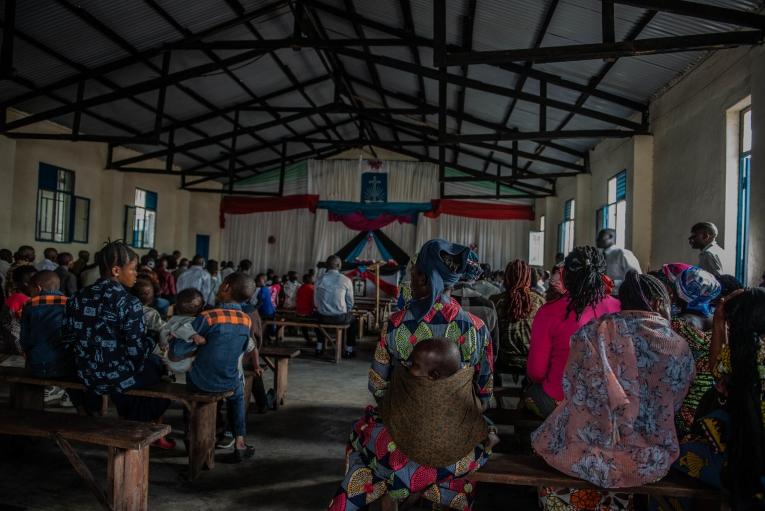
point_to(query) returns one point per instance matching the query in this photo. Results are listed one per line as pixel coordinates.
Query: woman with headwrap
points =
(586, 298)
(376, 463)
(726, 448)
(516, 307)
(626, 376)
(695, 289)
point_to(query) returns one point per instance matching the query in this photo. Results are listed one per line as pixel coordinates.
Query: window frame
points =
(130, 236)
(602, 214)
(67, 236)
(567, 227)
(743, 193)
(539, 231)
(86, 201)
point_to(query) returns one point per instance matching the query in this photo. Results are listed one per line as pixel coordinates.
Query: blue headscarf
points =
(443, 263)
(697, 288)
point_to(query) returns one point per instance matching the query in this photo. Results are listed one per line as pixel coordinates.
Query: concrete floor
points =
(298, 463)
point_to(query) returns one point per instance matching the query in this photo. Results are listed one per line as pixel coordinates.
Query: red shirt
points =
(15, 302)
(304, 300)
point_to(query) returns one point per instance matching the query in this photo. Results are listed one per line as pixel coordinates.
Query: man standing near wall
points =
(711, 256)
(618, 260)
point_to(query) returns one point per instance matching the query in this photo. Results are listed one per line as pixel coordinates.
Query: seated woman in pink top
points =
(586, 298)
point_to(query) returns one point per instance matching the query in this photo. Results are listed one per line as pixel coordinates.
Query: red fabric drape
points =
(234, 205)
(358, 222)
(480, 210)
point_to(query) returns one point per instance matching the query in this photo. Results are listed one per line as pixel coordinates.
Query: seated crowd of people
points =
(635, 374)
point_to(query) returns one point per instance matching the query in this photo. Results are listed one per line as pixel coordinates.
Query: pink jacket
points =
(550, 340)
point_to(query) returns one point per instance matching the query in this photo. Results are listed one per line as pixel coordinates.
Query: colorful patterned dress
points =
(375, 465)
(699, 342)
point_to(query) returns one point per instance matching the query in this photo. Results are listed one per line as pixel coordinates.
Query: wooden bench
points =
(27, 394)
(127, 482)
(277, 359)
(523, 470)
(282, 322)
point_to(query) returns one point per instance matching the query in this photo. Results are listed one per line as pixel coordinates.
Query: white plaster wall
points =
(688, 122)
(180, 214)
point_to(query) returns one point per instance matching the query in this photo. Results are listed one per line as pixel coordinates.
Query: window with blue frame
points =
(61, 216)
(744, 181)
(141, 219)
(614, 214)
(566, 228)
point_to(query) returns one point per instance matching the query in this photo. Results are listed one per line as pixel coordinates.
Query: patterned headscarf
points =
(697, 288)
(673, 270)
(443, 263)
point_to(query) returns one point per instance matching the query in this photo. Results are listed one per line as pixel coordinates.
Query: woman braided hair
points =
(583, 272)
(745, 316)
(517, 289)
(639, 292)
(114, 253)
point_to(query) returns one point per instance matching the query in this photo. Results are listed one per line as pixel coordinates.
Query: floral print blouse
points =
(626, 377)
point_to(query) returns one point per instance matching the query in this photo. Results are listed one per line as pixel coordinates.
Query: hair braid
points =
(114, 253)
(517, 289)
(638, 291)
(583, 276)
(746, 459)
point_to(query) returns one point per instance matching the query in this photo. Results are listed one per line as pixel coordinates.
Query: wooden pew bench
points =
(127, 482)
(523, 470)
(27, 394)
(277, 358)
(282, 322)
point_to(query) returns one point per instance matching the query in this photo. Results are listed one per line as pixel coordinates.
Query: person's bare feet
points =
(492, 440)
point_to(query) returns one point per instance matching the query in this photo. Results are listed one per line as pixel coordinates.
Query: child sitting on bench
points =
(41, 323)
(188, 305)
(144, 291)
(225, 333)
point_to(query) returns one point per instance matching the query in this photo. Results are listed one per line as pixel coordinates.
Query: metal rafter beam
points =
(469, 118)
(290, 42)
(522, 77)
(701, 10)
(468, 24)
(311, 24)
(455, 79)
(540, 135)
(406, 9)
(575, 52)
(109, 67)
(511, 67)
(6, 53)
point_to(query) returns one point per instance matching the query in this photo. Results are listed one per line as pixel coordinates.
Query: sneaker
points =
(226, 441)
(53, 394)
(164, 443)
(244, 454)
(66, 402)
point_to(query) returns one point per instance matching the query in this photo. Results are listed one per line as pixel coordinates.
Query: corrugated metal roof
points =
(498, 24)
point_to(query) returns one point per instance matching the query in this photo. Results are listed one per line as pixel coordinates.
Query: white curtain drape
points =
(304, 238)
(246, 237)
(498, 241)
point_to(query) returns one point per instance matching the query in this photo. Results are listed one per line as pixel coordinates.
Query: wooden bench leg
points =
(280, 381)
(128, 479)
(201, 437)
(338, 344)
(27, 397)
(249, 381)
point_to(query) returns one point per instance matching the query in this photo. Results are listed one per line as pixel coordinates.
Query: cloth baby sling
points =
(434, 422)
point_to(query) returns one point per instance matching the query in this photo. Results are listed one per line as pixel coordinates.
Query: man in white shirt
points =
(711, 256)
(333, 299)
(6, 260)
(618, 260)
(290, 290)
(49, 260)
(195, 277)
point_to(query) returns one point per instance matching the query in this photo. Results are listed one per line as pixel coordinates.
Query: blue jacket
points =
(42, 318)
(216, 365)
(265, 305)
